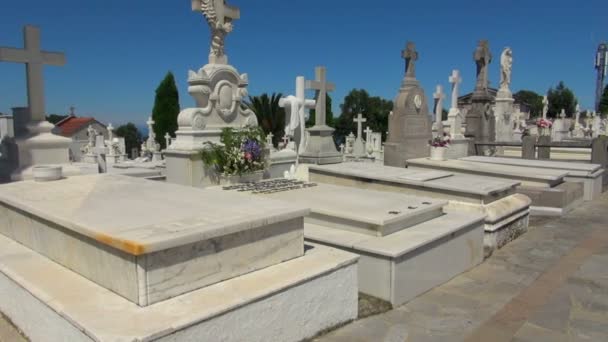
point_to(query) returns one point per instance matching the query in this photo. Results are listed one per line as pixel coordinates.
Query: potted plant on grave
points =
(238, 158)
(544, 126)
(439, 145)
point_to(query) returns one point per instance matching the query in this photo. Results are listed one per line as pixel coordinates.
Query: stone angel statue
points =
(506, 65)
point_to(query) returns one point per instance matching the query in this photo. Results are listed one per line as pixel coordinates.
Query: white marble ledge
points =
(140, 216)
(399, 243)
(367, 206)
(548, 164)
(105, 316)
(538, 174)
(413, 177)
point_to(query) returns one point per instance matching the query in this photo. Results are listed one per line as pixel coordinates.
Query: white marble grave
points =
(203, 259)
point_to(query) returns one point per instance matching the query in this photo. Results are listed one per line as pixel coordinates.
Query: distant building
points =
(75, 128)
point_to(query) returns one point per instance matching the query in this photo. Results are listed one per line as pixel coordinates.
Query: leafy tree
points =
(271, 117)
(374, 108)
(55, 118)
(604, 102)
(561, 98)
(329, 115)
(166, 109)
(133, 138)
(531, 98)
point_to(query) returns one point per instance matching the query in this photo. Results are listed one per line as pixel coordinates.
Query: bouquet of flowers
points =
(239, 151)
(440, 140)
(544, 123)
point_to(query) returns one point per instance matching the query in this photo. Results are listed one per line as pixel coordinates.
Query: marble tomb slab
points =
(590, 175)
(149, 241)
(506, 212)
(527, 176)
(363, 211)
(51, 303)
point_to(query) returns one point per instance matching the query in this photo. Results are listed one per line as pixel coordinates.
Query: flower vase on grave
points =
(438, 153)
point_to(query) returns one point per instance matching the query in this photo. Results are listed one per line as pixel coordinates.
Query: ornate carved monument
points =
(504, 112)
(218, 89)
(409, 126)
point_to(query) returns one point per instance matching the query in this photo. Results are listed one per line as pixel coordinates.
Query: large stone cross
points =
(411, 56)
(224, 12)
(439, 96)
(321, 86)
(359, 120)
(455, 79)
(34, 60)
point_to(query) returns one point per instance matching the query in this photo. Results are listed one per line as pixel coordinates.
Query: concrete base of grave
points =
(185, 168)
(555, 201)
(291, 301)
(279, 162)
(458, 148)
(320, 147)
(68, 170)
(400, 266)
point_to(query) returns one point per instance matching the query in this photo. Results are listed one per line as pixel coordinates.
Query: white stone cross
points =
(285, 141)
(269, 139)
(368, 133)
(359, 120)
(439, 96)
(224, 12)
(296, 109)
(321, 86)
(72, 111)
(34, 60)
(455, 79)
(563, 114)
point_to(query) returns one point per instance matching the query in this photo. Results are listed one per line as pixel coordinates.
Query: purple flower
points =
(252, 148)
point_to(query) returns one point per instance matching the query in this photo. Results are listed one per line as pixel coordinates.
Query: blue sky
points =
(118, 51)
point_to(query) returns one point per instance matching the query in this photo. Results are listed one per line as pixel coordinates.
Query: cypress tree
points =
(166, 109)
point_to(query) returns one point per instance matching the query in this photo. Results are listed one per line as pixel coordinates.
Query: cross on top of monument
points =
(359, 120)
(411, 56)
(34, 59)
(72, 111)
(150, 122)
(368, 132)
(321, 86)
(225, 13)
(438, 94)
(455, 77)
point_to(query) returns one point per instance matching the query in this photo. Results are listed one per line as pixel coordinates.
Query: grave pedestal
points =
(503, 116)
(39, 147)
(459, 148)
(281, 161)
(320, 147)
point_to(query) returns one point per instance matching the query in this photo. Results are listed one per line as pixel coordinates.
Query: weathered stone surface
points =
(162, 239)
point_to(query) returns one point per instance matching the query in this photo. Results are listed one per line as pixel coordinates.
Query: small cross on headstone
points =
(411, 56)
(562, 114)
(167, 140)
(368, 133)
(455, 80)
(269, 140)
(439, 96)
(72, 111)
(34, 60)
(321, 86)
(285, 141)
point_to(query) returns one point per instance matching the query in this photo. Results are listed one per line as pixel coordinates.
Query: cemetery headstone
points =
(480, 118)
(410, 124)
(359, 148)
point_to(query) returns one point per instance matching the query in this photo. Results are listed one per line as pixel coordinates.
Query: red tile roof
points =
(70, 125)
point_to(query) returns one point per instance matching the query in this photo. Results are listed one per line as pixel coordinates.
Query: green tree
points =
(561, 98)
(166, 109)
(532, 99)
(271, 117)
(329, 115)
(374, 108)
(604, 102)
(133, 138)
(55, 118)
